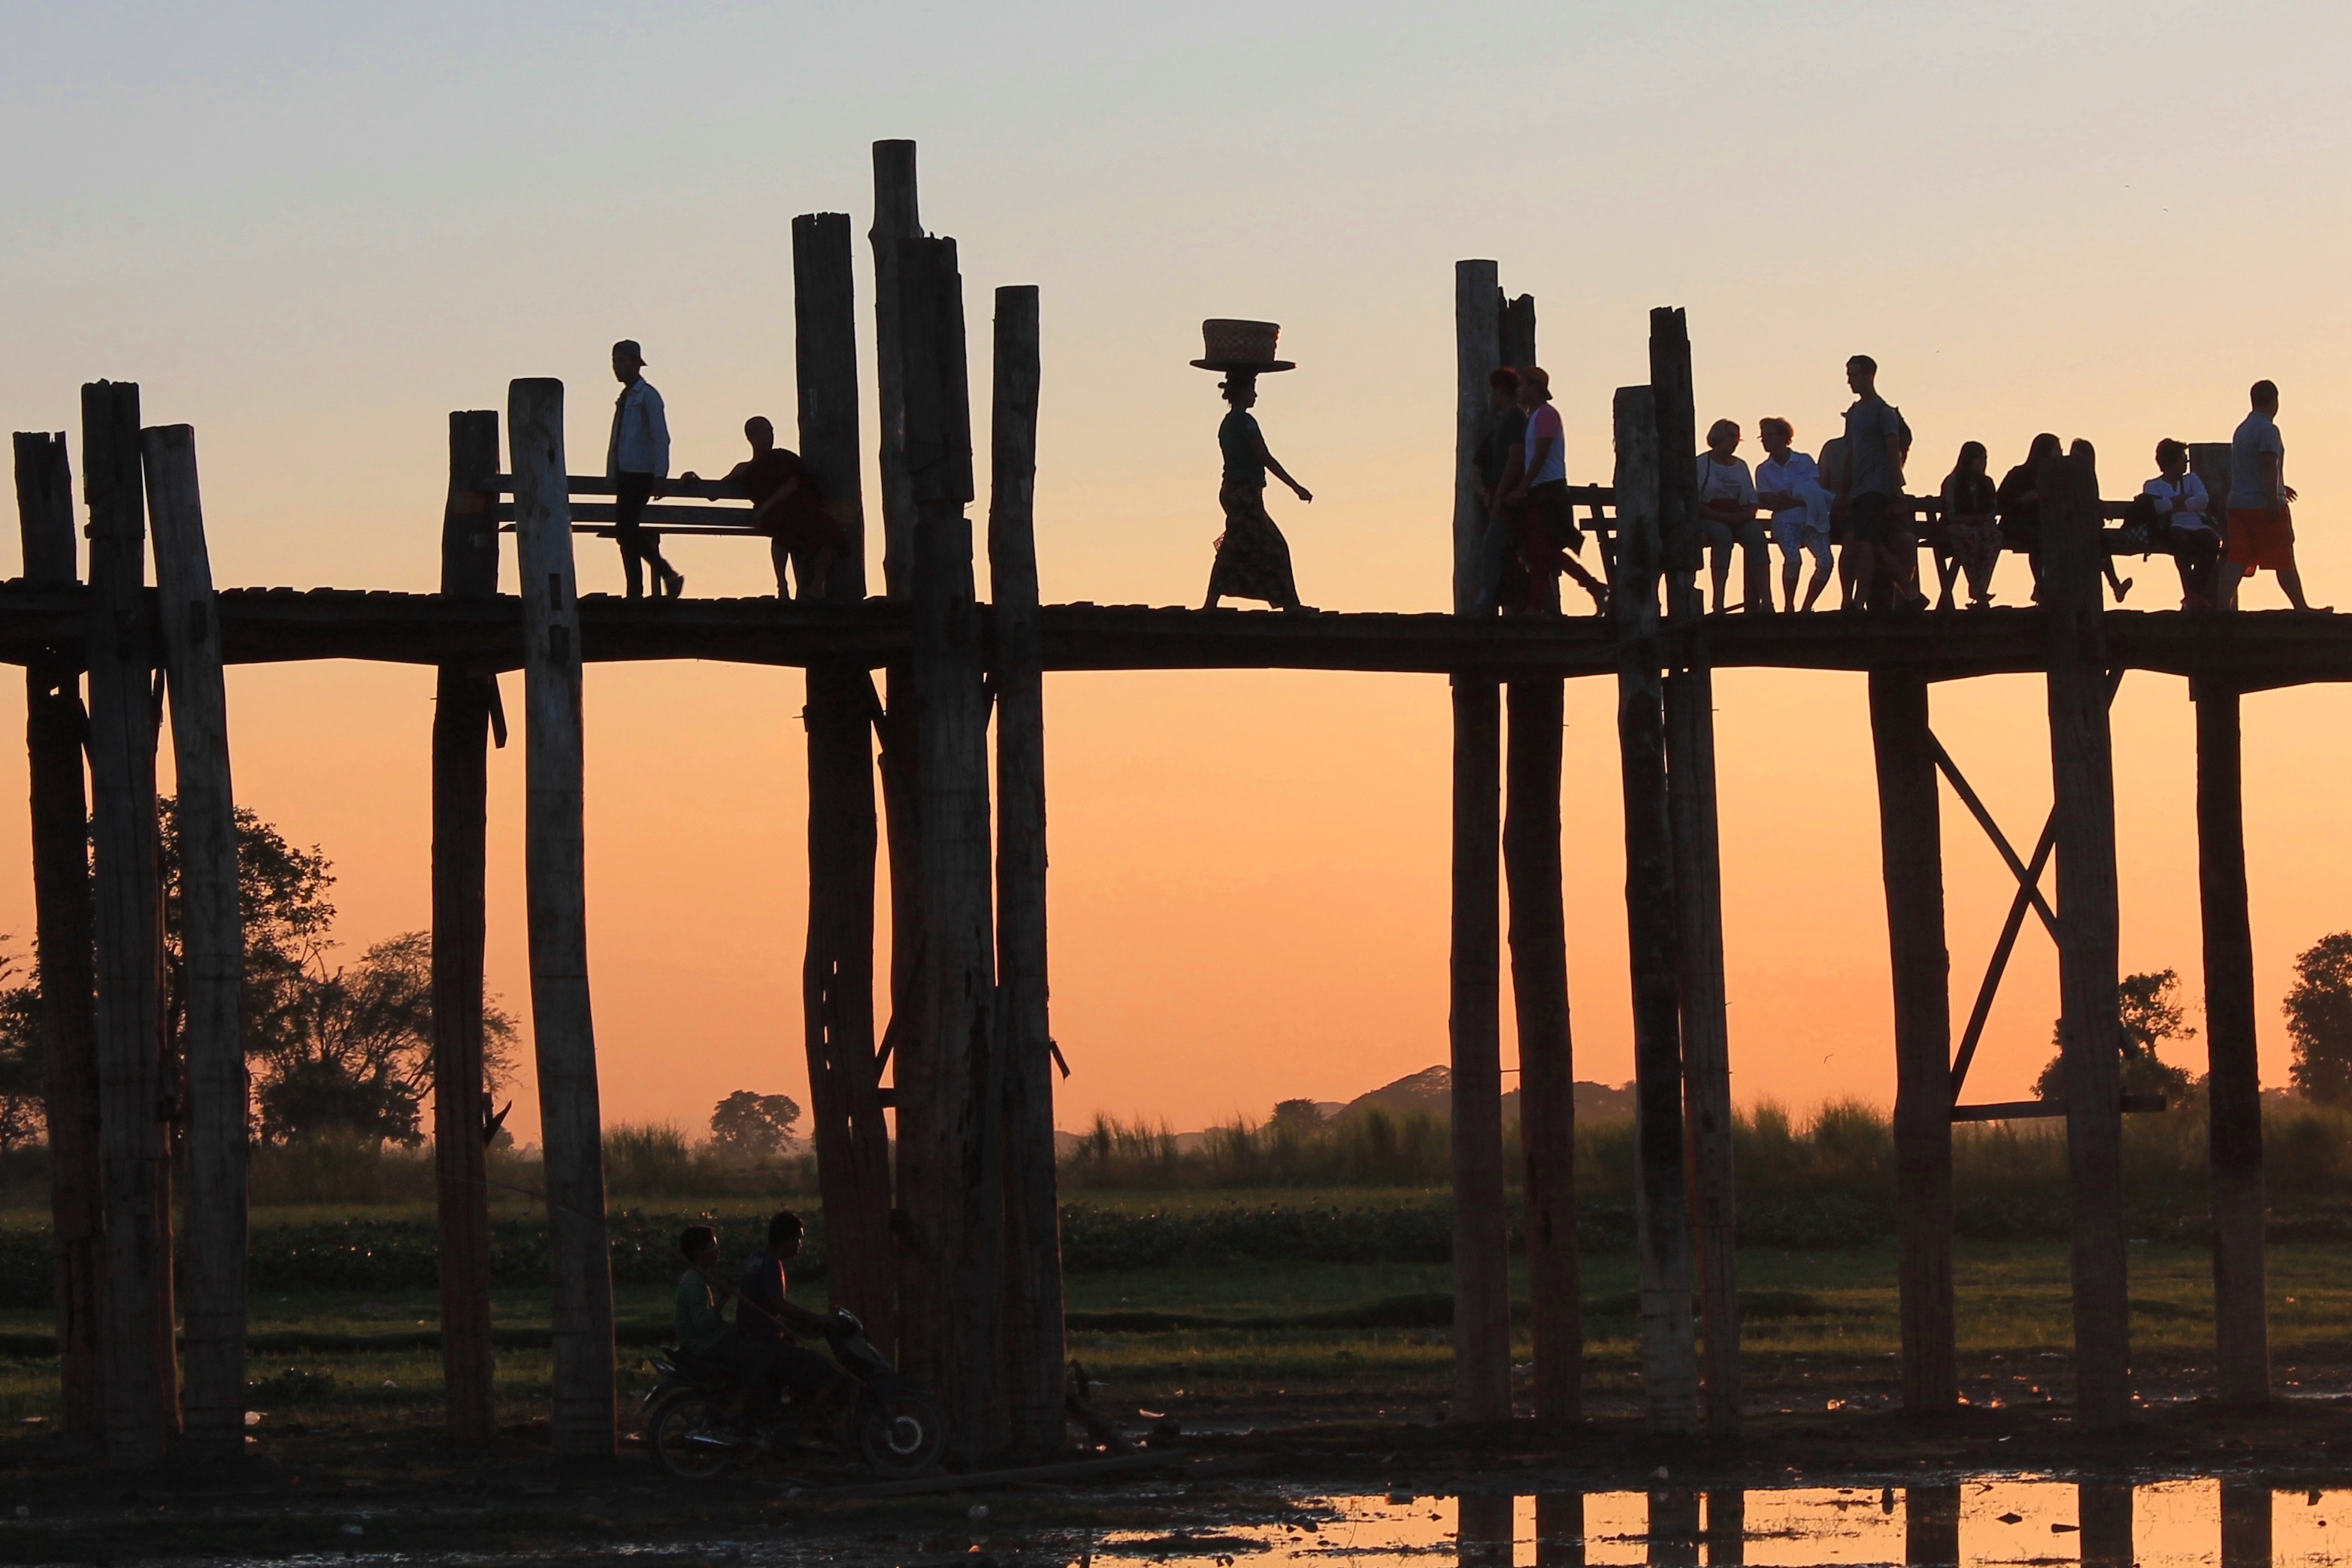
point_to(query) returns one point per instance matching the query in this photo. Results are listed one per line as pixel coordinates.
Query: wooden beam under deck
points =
(2252, 651)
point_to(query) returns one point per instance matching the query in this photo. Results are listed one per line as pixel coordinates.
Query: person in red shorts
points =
(2261, 528)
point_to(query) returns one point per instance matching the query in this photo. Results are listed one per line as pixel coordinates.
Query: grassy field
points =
(1818, 1327)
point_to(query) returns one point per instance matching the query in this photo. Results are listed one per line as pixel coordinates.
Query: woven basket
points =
(1229, 345)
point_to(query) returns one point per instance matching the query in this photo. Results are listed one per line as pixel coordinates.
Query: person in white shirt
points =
(2183, 524)
(1790, 483)
(636, 460)
(1726, 509)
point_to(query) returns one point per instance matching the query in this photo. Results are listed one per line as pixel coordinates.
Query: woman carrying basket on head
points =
(1253, 558)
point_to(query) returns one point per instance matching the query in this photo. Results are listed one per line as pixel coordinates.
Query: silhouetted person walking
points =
(636, 460)
(2261, 524)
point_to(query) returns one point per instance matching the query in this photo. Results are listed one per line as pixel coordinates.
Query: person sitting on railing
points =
(1968, 530)
(636, 460)
(1790, 483)
(1549, 540)
(1726, 509)
(2180, 522)
(2021, 505)
(788, 506)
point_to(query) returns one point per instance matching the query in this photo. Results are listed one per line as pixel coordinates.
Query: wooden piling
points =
(1559, 1529)
(1689, 700)
(948, 1069)
(2104, 1511)
(1534, 709)
(55, 728)
(1911, 860)
(851, 1132)
(141, 1361)
(2083, 774)
(1482, 1290)
(1931, 1524)
(1032, 1330)
(1662, 1218)
(2246, 1524)
(2241, 1325)
(463, 696)
(563, 1028)
(211, 940)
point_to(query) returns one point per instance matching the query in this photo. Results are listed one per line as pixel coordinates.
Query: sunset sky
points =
(312, 231)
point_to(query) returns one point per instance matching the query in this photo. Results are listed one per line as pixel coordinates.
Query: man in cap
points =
(636, 460)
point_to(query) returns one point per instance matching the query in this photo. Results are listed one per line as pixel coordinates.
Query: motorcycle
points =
(895, 1424)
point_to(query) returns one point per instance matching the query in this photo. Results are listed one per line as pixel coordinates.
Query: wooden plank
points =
(463, 696)
(1539, 935)
(55, 726)
(2034, 1110)
(2240, 1324)
(949, 1066)
(2082, 779)
(141, 1371)
(1032, 1337)
(2002, 949)
(563, 1026)
(212, 944)
(1662, 1216)
(1911, 866)
(1482, 1308)
(851, 1132)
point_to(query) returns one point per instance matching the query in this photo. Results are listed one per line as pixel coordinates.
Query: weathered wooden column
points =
(2104, 1511)
(212, 938)
(851, 1132)
(562, 1028)
(1698, 878)
(1931, 1524)
(949, 1070)
(1911, 860)
(2246, 1524)
(1032, 1240)
(896, 217)
(2090, 1046)
(2240, 1322)
(1662, 1216)
(141, 1360)
(1534, 720)
(55, 728)
(464, 696)
(1482, 1272)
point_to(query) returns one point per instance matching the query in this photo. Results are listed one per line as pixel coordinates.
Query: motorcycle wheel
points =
(900, 1434)
(680, 1436)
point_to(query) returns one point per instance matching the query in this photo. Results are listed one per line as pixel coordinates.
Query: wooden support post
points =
(852, 1134)
(140, 1372)
(1689, 699)
(1539, 937)
(1482, 1535)
(949, 1070)
(1032, 1241)
(2240, 1324)
(1726, 1526)
(212, 939)
(1673, 1528)
(563, 1028)
(1482, 1274)
(897, 216)
(463, 696)
(1559, 1529)
(1911, 860)
(2083, 796)
(55, 727)
(1547, 1058)
(1662, 1218)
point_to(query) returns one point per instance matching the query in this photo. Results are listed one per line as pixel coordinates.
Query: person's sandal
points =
(674, 585)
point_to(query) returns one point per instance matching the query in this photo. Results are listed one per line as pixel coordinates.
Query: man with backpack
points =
(1881, 543)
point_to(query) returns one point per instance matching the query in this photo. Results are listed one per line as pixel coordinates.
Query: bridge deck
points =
(2249, 650)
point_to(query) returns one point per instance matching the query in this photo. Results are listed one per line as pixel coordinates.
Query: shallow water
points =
(2003, 1519)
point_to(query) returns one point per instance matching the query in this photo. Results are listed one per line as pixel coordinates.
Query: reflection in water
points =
(1985, 1521)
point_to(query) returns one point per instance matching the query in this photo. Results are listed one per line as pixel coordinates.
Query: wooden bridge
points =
(944, 1236)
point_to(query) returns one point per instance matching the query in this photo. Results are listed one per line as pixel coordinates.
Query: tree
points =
(2147, 1007)
(754, 1126)
(24, 1059)
(2319, 1020)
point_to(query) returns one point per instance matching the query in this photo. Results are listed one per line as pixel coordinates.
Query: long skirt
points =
(1253, 558)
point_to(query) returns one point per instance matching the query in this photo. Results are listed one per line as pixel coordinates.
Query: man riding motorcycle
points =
(757, 1351)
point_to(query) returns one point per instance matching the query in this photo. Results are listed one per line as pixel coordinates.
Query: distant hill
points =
(1430, 1092)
